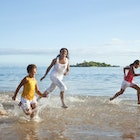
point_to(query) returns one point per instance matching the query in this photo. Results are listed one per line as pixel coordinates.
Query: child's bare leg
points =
(62, 99)
(138, 91)
(28, 111)
(117, 94)
(138, 95)
(33, 112)
(33, 105)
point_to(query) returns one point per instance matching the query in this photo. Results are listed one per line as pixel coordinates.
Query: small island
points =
(93, 64)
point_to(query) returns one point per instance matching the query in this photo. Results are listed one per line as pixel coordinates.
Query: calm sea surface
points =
(90, 114)
(80, 81)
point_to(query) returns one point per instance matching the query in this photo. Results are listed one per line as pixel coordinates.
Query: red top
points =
(129, 77)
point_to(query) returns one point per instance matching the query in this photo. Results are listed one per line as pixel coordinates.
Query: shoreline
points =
(85, 118)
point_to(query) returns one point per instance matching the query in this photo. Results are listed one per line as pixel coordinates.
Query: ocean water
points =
(90, 114)
(91, 81)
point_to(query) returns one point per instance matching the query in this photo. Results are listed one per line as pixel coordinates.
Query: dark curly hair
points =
(30, 67)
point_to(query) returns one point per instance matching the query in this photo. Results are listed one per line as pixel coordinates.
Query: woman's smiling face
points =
(64, 52)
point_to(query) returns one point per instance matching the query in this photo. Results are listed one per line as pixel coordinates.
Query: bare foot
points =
(19, 104)
(64, 106)
(32, 115)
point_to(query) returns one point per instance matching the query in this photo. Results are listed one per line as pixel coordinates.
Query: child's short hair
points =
(30, 67)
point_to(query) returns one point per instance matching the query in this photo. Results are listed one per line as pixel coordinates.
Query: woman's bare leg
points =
(62, 99)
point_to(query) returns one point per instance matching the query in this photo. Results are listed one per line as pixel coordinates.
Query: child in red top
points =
(128, 80)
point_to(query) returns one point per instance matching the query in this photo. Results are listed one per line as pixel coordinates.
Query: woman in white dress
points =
(61, 67)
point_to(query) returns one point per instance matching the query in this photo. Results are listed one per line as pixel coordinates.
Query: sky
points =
(33, 31)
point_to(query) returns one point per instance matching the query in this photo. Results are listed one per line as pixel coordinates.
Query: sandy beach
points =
(87, 118)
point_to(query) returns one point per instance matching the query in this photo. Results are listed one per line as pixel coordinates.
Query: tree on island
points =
(92, 64)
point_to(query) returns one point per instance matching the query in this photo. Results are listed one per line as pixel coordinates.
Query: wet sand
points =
(87, 118)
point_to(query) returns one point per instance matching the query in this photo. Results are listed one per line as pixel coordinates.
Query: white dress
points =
(56, 76)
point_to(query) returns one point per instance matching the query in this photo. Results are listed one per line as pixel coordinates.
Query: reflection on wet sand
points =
(86, 118)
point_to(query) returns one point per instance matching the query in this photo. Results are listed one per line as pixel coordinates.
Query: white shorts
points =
(126, 84)
(26, 104)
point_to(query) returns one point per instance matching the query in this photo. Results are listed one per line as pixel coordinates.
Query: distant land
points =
(93, 64)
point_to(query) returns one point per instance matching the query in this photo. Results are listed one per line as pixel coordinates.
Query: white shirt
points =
(59, 69)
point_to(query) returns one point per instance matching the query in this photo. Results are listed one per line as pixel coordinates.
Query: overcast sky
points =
(33, 31)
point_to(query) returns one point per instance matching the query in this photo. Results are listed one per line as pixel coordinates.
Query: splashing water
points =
(85, 118)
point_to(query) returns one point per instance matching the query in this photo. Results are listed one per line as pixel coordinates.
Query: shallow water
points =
(87, 118)
(90, 114)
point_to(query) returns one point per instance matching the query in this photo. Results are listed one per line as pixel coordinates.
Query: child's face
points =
(32, 73)
(136, 66)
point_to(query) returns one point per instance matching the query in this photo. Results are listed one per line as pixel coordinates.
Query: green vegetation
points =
(92, 64)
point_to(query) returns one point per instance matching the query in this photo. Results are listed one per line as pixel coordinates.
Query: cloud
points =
(113, 46)
(115, 51)
(30, 51)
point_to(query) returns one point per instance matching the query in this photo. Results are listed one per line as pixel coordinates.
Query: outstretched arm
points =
(38, 91)
(18, 88)
(48, 69)
(137, 74)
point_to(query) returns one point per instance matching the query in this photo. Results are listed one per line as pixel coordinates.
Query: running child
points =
(28, 99)
(128, 80)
